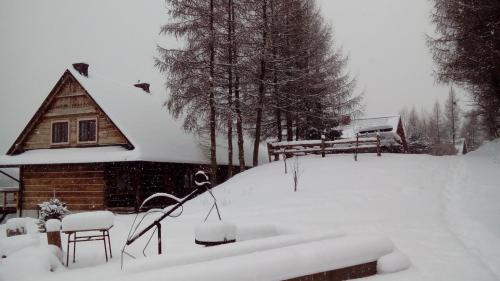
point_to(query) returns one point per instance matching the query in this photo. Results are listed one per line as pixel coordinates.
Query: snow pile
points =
(280, 263)
(13, 244)
(30, 262)
(53, 225)
(393, 262)
(472, 207)
(228, 250)
(215, 231)
(88, 221)
(255, 231)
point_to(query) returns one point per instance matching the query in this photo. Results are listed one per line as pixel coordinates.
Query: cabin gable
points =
(69, 103)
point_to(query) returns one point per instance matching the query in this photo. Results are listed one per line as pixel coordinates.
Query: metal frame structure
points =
(86, 238)
(202, 186)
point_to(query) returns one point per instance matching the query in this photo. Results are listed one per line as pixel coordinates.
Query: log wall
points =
(81, 186)
(71, 103)
(118, 186)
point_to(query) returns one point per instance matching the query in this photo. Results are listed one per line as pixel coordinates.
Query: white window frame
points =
(78, 130)
(52, 128)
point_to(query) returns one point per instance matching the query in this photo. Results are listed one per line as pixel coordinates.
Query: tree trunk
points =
(237, 101)
(230, 92)
(297, 131)
(262, 76)
(275, 75)
(289, 125)
(211, 101)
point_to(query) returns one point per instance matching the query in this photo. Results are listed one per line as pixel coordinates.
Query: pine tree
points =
(471, 130)
(467, 52)
(191, 70)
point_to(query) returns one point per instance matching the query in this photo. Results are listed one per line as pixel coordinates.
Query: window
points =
(87, 130)
(60, 131)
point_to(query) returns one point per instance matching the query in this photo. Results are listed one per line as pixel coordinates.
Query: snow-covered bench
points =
(86, 225)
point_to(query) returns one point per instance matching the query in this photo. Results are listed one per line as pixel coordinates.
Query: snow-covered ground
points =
(443, 213)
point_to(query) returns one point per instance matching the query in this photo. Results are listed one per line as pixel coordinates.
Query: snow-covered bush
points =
(52, 209)
(418, 144)
(15, 226)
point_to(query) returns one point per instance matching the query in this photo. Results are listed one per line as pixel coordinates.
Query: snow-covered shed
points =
(390, 128)
(99, 144)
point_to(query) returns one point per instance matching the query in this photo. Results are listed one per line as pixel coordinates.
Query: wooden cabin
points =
(96, 144)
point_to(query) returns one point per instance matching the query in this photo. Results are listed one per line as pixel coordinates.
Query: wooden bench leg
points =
(105, 248)
(74, 246)
(109, 244)
(67, 250)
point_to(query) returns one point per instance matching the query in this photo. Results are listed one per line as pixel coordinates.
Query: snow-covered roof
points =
(145, 121)
(369, 124)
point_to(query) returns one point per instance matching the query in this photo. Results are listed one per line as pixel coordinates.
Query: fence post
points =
(53, 228)
(356, 149)
(378, 144)
(269, 151)
(323, 146)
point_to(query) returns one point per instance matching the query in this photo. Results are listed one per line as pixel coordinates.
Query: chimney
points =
(82, 68)
(143, 86)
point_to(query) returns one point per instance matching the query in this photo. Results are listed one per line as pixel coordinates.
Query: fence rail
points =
(323, 147)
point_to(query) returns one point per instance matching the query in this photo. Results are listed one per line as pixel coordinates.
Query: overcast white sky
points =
(39, 39)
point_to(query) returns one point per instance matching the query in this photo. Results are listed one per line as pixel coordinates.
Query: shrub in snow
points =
(52, 209)
(215, 232)
(393, 262)
(15, 226)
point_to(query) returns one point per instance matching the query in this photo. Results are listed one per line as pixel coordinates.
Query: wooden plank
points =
(82, 181)
(66, 174)
(63, 193)
(341, 274)
(85, 207)
(67, 187)
(72, 207)
(68, 200)
(65, 112)
(65, 168)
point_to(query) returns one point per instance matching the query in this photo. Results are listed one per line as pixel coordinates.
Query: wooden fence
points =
(323, 147)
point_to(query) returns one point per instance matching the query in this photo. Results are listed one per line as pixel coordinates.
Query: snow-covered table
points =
(87, 224)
